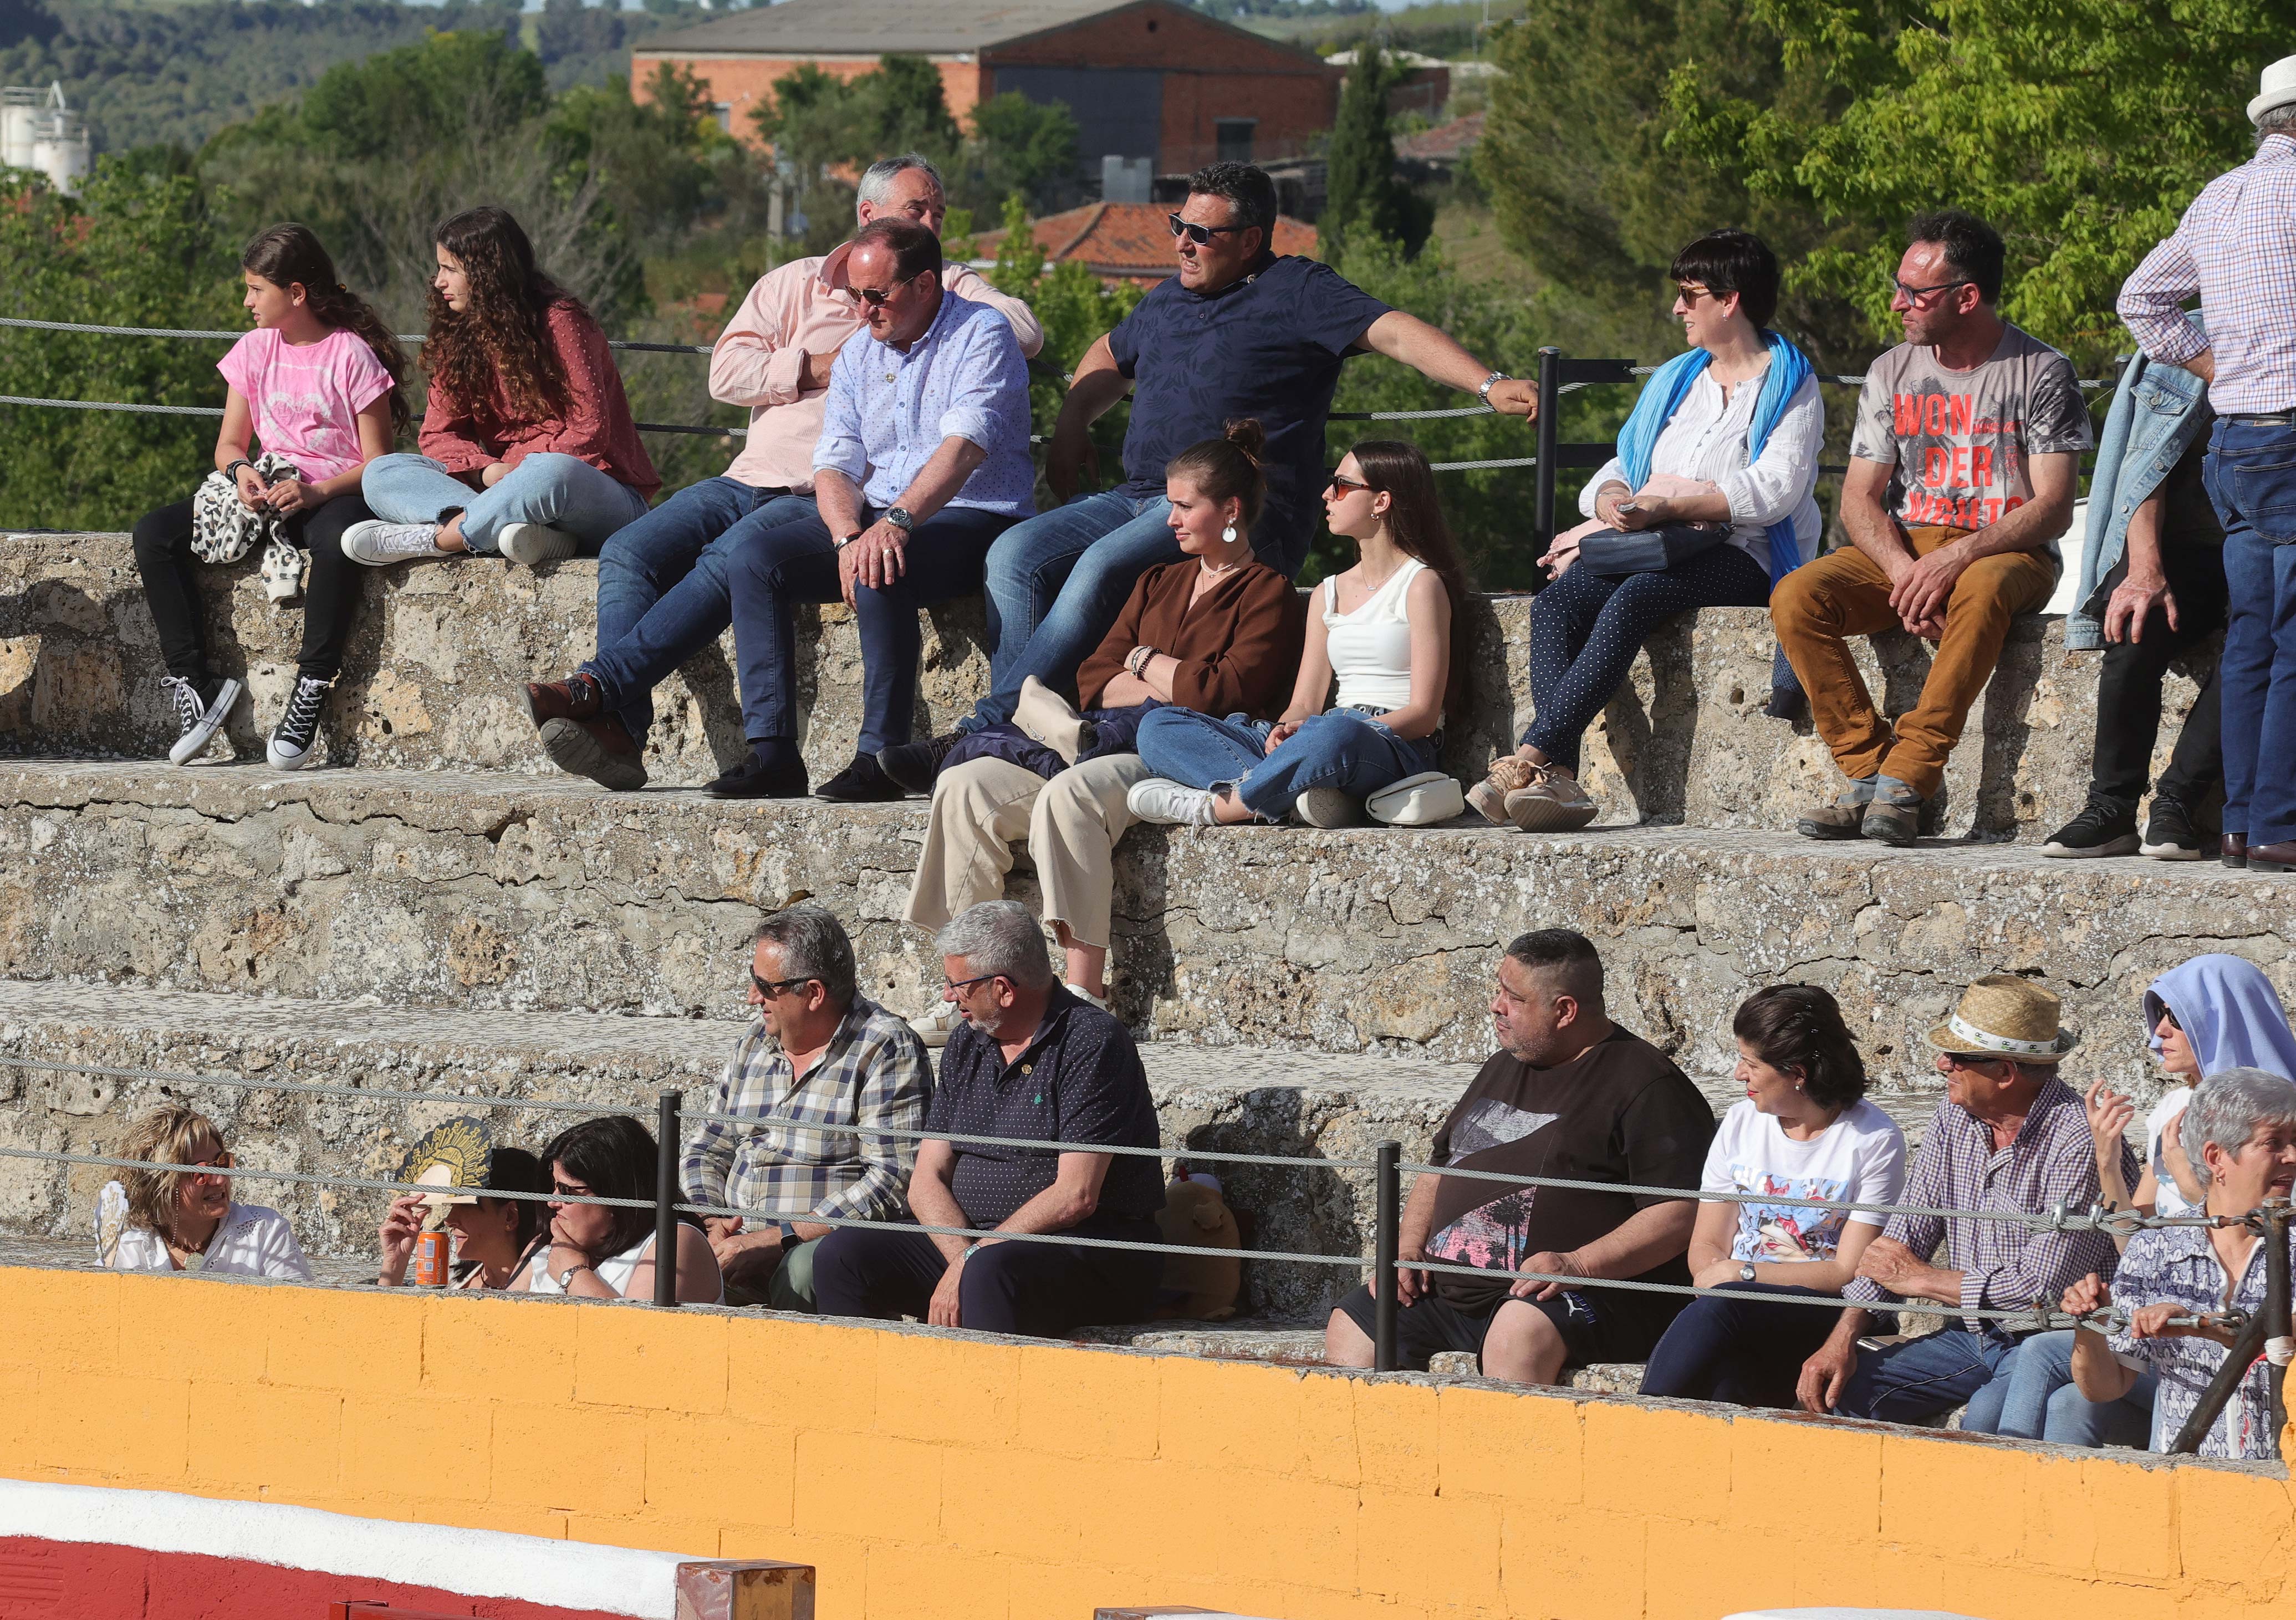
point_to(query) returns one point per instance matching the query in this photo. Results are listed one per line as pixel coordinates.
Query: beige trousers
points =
(1071, 824)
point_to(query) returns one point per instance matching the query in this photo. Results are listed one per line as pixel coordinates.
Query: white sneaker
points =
(297, 739)
(197, 714)
(1167, 803)
(535, 544)
(1327, 807)
(379, 544)
(934, 1027)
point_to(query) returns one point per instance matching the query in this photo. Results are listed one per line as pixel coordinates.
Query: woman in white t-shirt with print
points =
(185, 1220)
(1804, 1131)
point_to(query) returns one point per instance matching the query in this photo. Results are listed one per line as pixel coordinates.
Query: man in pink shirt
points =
(662, 589)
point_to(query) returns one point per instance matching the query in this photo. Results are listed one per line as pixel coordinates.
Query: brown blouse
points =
(1239, 647)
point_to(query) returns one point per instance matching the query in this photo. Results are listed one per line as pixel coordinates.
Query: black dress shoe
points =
(915, 767)
(862, 782)
(2233, 850)
(2276, 859)
(752, 780)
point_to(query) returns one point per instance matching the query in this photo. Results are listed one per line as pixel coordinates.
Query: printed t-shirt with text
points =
(306, 398)
(1620, 1112)
(1962, 440)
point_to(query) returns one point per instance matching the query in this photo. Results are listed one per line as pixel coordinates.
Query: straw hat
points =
(2007, 1017)
(2277, 88)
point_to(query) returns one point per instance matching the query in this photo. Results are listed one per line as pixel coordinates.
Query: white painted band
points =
(1980, 1040)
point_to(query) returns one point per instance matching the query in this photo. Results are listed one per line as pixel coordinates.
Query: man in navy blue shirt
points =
(1239, 331)
(1033, 1063)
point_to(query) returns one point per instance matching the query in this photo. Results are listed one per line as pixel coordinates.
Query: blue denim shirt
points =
(2157, 412)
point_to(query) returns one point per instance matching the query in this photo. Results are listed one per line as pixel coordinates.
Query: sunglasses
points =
(1914, 295)
(1972, 1060)
(770, 988)
(221, 1161)
(1200, 234)
(1345, 486)
(877, 297)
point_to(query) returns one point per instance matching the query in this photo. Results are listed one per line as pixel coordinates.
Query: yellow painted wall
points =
(930, 1476)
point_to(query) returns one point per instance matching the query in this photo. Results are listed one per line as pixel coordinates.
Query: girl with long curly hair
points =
(317, 383)
(527, 448)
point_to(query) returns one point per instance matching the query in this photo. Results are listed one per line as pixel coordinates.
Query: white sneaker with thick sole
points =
(197, 716)
(1327, 807)
(1165, 802)
(379, 544)
(535, 544)
(934, 1027)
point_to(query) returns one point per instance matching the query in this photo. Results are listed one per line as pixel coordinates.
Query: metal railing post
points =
(1550, 394)
(1388, 1223)
(2276, 1306)
(668, 1137)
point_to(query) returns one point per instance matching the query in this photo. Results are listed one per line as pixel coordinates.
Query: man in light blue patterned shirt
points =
(922, 462)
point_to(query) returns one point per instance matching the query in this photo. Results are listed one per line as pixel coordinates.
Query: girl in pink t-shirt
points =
(315, 384)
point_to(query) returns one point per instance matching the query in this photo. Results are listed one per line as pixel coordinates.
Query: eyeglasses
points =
(1691, 291)
(1972, 1060)
(560, 1189)
(951, 986)
(221, 1161)
(1345, 486)
(877, 297)
(770, 988)
(1200, 234)
(1914, 295)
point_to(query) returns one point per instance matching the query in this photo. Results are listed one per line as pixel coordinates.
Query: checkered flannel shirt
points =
(2004, 1266)
(2236, 250)
(875, 1072)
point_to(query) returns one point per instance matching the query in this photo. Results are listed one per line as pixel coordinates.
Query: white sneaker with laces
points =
(1165, 802)
(379, 544)
(933, 1028)
(197, 715)
(535, 544)
(1327, 807)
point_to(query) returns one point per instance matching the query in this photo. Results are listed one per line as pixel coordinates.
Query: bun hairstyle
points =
(1414, 521)
(504, 334)
(1228, 468)
(291, 255)
(1797, 1029)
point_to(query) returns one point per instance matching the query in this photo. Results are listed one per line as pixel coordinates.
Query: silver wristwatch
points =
(900, 518)
(1484, 392)
(1745, 1273)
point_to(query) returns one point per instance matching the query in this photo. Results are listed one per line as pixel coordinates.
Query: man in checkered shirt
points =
(2009, 1136)
(2236, 250)
(825, 1071)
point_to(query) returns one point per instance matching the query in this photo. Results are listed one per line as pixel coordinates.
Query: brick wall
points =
(930, 1475)
(746, 83)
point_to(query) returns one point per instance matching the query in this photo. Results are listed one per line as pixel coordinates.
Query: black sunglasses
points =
(876, 298)
(1200, 234)
(770, 988)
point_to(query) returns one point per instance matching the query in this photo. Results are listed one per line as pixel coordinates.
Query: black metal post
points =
(1388, 1224)
(668, 1139)
(1550, 394)
(2275, 1305)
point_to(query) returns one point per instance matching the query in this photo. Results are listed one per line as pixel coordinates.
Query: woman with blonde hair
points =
(184, 1219)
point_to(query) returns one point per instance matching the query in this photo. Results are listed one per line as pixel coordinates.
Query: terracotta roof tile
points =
(1444, 143)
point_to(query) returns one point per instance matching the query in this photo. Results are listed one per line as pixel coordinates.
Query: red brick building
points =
(1148, 80)
(1128, 241)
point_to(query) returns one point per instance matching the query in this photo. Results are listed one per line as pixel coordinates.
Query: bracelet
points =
(232, 472)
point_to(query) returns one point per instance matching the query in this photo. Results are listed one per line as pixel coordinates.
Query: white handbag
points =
(1420, 800)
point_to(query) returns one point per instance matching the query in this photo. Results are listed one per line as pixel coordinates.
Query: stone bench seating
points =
(431, 679)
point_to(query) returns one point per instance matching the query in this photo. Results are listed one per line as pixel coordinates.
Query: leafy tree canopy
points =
(1362, 193)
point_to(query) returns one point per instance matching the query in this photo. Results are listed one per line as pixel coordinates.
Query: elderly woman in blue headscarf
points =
(2209, 1016)
(1708, 504)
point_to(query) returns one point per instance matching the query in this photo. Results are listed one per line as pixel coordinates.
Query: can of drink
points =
(430, 1252)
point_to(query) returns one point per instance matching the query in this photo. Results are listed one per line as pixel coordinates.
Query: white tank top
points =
(615, 1271)
(1370, 648)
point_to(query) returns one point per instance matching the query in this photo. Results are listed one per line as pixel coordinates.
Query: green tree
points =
(1020, 145)
(1362, 193)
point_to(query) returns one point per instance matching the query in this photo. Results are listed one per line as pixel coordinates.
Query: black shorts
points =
(1596, 1324)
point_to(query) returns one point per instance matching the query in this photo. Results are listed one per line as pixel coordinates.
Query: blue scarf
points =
(1663, 395)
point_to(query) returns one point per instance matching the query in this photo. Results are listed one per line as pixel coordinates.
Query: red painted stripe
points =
(85, 1581)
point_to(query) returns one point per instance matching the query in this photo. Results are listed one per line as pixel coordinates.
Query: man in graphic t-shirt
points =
(1573, 1097)
(1962, 470)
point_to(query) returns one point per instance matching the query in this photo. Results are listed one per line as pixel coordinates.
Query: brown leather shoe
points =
(2277, 859)
(2233, 850)
(602, 750)
(575, 698)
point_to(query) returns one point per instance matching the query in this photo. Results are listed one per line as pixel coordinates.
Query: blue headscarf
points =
(1663, 395)
(2229, 1010)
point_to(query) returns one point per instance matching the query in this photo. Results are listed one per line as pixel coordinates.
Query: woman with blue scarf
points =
(1708, 502)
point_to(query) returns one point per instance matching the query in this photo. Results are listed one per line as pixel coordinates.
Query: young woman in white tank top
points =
(600, 1252)
(1382, 630)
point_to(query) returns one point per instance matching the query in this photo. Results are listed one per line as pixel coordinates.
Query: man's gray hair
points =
(999, 936)
(2276, 120)
(813, 945)
(877, 179)
(2228, 1108)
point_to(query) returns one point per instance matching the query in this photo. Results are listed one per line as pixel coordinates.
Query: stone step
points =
(472, 892)
(431, 682)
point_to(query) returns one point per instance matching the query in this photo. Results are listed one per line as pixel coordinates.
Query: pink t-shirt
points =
(306, 396)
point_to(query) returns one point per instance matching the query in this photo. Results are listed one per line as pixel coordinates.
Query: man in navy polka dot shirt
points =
(1029, 1062)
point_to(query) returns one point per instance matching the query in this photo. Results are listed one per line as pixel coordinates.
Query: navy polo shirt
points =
(1080, 1081)
(1268, 346)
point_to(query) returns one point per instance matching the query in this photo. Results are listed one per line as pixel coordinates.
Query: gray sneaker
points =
(535, 544)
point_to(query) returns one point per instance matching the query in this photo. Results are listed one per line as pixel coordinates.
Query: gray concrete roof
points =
(874, 26)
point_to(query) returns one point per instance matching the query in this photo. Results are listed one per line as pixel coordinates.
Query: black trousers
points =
(163, 555)
(2129, 688)
(1047, 1290)
(1747, 1352)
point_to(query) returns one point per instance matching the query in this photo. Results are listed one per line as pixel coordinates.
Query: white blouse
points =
(1705, 440)
(251, 1241)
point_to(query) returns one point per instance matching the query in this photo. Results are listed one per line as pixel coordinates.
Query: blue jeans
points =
(2035, 1398)
(791, 559)
(1921, 1377)
(1056, 583)
(663, 591)
(2250, 473)
(1747, 1352)
(547, 489)
(1343, 748)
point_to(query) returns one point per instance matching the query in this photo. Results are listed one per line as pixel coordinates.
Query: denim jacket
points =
(2157, 412)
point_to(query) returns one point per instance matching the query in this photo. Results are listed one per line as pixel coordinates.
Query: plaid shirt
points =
(2236, 250)
(2004, 1266)
(875, 1072)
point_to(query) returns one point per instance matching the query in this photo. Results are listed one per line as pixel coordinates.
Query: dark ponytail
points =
(289, 255)
(1228, 468)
